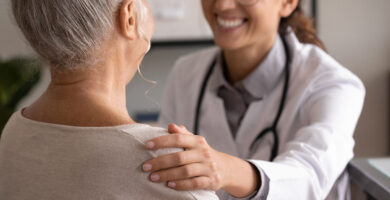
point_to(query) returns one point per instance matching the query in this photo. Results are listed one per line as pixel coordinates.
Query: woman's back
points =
(46, 161)
(94, 48)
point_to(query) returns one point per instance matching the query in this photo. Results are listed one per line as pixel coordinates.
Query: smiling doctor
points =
(271, 114)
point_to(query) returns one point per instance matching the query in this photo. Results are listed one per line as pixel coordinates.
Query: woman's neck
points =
(241, 62)
(83, 98)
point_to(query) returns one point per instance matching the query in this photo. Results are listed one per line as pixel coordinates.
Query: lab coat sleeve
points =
(262, 193)
(311, 163)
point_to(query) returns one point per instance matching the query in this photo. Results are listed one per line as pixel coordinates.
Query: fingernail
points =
(171, 184)
(147, 167)
(149, 145)
(155, 177)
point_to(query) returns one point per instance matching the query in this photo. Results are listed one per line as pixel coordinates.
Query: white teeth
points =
(230, 23)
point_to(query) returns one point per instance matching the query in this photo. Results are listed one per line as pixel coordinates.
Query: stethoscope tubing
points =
(273, 127)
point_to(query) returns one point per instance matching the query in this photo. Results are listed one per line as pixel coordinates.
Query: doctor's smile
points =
(252, 104)
(230, 23)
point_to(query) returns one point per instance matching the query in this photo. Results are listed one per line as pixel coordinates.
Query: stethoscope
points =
(273, 128)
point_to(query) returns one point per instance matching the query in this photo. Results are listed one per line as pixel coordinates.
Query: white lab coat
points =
(315, 130)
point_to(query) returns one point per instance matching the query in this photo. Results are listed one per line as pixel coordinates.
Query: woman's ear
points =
(127, 20)
(288, 6)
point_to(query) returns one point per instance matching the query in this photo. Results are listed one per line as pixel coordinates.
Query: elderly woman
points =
(77, 141)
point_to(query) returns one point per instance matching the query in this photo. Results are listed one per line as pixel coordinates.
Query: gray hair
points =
(67, 33)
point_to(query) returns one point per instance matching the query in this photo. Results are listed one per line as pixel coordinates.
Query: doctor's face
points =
(238, 24)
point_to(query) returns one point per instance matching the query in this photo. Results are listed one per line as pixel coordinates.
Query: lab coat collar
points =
(250, 128)
(262, 80)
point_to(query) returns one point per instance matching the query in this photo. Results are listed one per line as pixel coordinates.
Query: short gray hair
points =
(67, 33)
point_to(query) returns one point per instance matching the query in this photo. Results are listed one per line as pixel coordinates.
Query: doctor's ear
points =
(127, 20)
(288, 6)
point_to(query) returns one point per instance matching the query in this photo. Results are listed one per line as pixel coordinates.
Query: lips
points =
(230, 23)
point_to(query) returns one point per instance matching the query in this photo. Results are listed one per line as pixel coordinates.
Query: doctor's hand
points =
(199, 166)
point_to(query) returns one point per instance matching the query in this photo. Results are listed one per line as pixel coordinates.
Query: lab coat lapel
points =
(259, 116)
(214, 121)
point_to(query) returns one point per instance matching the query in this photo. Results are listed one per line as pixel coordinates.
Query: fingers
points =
(186, 141)
(174, 160)
(180, 173)
(192, 169)
(173, 128)
(197, 183)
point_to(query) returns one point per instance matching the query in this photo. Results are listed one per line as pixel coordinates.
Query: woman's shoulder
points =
(142, 133)
(315, 65)
(309, 57)
(108, 158)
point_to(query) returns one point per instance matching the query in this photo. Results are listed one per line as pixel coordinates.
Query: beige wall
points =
(11, 42)
(357, 33)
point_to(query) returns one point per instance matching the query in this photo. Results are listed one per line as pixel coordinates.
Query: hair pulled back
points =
(302, 27)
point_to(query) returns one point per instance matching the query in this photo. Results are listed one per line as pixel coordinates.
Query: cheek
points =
(208, 12)
(263, 21)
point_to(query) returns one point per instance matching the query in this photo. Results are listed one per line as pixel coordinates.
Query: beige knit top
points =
(41, 161)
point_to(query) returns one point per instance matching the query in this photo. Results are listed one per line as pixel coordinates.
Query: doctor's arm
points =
(200, 166)
(306, 169)
(311, 163)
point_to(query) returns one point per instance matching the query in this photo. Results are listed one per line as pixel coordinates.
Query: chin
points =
(228, 44)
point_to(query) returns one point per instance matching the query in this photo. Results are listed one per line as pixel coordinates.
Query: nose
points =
(222, 5)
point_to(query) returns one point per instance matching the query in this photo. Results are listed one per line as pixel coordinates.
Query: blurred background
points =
(355, 32)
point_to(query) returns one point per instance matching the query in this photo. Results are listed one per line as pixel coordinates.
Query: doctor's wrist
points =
(242, 178)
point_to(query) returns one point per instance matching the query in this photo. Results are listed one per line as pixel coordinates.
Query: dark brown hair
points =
(302, 27)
